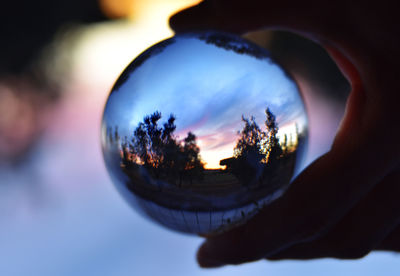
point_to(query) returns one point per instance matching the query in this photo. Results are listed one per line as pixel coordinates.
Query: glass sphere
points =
(202, 130)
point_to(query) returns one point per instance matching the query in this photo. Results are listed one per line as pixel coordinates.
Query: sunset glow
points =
(213, 156)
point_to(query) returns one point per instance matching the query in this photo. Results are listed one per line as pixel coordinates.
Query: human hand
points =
(346, 203)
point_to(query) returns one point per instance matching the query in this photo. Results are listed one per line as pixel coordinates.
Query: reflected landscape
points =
(202, 130)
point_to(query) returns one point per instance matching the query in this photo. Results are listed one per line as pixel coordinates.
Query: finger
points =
(200, 17)
(368, 226)
(239, 17)
(316, 201)
(208, 15)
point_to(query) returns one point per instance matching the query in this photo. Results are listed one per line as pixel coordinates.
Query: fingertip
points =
(177, 21)
(199, 17)
(205, 258)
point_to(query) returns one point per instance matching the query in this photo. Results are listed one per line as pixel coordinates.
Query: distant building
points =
(228, 162)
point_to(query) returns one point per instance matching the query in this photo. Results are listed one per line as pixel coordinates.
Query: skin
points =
(346, 203)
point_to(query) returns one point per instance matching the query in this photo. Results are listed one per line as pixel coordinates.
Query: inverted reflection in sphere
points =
(202, 130)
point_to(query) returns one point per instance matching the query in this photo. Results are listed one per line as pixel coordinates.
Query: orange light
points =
(117, 8)
(131, 8)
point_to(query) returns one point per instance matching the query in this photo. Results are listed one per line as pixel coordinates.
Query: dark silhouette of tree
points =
(257, 145)
(126, 157)
(157, 149)
(252, 142)
(274, 148)
(285, 145)
(256, 151)
(193, 167)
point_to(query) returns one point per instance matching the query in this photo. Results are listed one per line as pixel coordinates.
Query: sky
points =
(208, 89)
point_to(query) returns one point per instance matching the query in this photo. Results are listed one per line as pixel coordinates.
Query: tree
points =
(249, 152)
(274, 148)
(252, 142)
(256, 145)
(158, 150)
(193, 166)
(256, 150)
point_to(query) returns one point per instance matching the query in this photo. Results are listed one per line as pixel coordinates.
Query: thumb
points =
(316, 201)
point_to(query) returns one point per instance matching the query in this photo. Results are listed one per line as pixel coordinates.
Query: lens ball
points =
(202, 130)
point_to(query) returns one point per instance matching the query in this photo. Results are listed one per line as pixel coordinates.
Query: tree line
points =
(155, 147)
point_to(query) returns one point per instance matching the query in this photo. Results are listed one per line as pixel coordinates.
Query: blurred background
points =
(59, 211)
